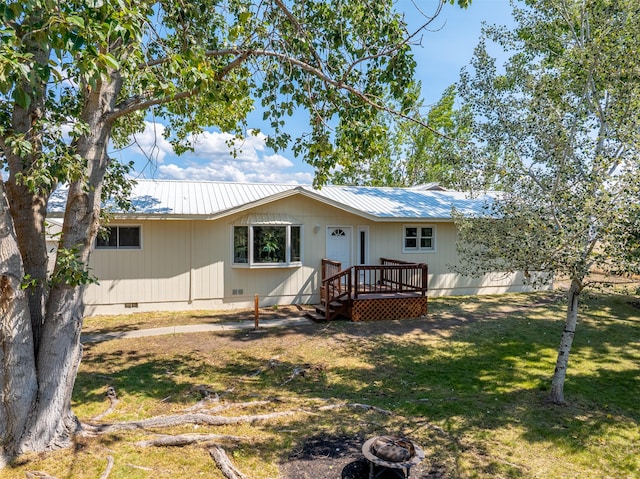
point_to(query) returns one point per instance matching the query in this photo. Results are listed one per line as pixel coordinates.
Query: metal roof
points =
(210, 199)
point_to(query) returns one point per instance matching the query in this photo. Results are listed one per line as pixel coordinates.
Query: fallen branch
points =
(303, 370)
(298, 371)
(429, 425)
(107, 471)
(224, 463)
(366, 407)
(272, 363)
(38, 475)
(236, 405)
(186, 439)
(208, 396)
(113, 402)
(182, 419)
(142, 468)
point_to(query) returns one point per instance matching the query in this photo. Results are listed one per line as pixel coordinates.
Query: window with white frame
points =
(262, 245)
(119, 237)
(418, 238)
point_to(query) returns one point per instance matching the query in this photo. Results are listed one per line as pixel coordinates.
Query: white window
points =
(418, 238)
(267, 245)
(119, 237)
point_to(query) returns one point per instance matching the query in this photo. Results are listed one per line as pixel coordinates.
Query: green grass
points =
(469, 383)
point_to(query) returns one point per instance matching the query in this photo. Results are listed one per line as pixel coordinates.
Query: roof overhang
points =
(306, 191)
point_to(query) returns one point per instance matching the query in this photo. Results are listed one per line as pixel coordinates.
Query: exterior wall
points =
(386, 241)
(158, 272)
(188, 264)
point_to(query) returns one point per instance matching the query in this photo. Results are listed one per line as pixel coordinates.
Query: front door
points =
(339, 244)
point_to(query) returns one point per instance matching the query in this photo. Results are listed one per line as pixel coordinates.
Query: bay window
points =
(267, 244)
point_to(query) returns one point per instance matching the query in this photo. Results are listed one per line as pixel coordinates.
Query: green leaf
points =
(111, 61)
(76, 20)
(21, 98)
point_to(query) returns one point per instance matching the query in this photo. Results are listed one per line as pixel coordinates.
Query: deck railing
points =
(330, 268)
(336, 288)
(391, 277)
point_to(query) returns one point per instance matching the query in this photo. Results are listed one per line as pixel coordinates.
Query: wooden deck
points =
(391, 290)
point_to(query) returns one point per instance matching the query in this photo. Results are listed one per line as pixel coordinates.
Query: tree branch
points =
(224, 464)
(241, 56)
(397, 46)
(107, 471)
(182, 419)
(187, 439)
(298, 26)
(132, 104)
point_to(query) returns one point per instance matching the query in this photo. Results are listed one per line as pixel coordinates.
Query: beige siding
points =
(187, 264)
(159, 270)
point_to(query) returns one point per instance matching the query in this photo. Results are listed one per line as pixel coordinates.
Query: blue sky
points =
(445, 49)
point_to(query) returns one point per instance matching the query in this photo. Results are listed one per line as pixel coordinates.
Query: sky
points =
(446, 47)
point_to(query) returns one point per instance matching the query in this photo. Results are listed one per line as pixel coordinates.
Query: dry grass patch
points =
(127, 322)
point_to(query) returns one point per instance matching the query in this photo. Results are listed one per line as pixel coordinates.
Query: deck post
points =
(256, 303)
(425, 279)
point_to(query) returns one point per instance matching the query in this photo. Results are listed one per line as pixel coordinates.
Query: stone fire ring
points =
(417, 457)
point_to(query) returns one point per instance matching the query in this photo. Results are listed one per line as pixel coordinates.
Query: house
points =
(215, 245)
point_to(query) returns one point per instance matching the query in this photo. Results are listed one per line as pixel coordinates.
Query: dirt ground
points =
(333, 457)
(340, 457)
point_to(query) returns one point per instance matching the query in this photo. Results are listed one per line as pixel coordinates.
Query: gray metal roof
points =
(209, 199)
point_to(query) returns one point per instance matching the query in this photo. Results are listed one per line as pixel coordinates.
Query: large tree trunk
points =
(29, 212)
(29, 208)
(48, 422)
(18, 374)
(557, 383)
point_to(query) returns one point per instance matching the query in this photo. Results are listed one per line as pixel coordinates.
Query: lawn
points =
(468, 383)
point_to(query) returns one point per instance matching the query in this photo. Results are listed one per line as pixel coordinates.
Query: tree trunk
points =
(29, 212)
(18, 374)
(557, 383)
(29, 208)
(51, 422)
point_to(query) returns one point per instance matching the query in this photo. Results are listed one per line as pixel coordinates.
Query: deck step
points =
(334, 309)
(316, 316)
(321, 308)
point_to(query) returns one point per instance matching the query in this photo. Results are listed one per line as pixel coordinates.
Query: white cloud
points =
(212, 159)
(209, 144)
(277, 161)
(151, 144)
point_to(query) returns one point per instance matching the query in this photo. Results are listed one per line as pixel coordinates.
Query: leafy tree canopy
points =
(79, 75)
(200, 64)
(410, 153)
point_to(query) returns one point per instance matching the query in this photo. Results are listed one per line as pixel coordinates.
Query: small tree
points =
(77, 75)
(558, 131)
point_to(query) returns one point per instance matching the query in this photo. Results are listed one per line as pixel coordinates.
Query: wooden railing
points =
(336, 288)
(330, 268)
(391, 277)
(388, 278)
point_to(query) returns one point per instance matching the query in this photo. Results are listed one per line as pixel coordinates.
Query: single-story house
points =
(215, 245)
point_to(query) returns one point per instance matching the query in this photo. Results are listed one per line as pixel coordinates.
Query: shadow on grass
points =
(469, 370)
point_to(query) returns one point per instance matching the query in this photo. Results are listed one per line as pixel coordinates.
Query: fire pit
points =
(392, 452)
